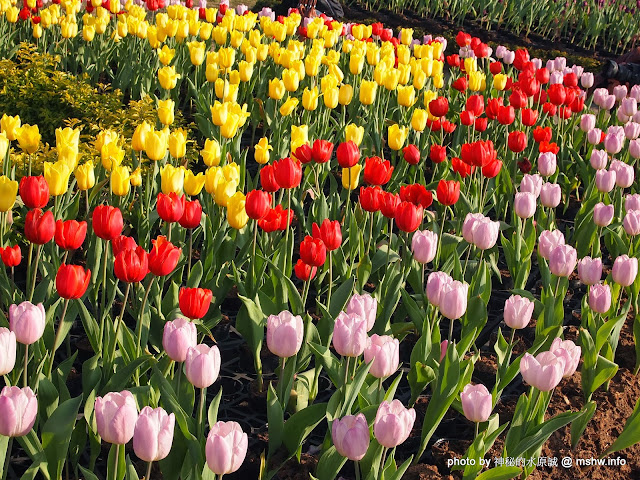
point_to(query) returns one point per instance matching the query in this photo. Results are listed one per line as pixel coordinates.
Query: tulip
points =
(476, 403)
(10, 126)
(313, 251)
(39, 226)
(518, 311)
(632, 202)
(517, 141)
(7, 350)
(370, 198)
(288, 173)
(28, 137)
(569, 351)
(172, 179)
(8, 193)
(85, 177)
(211, 153)
(368, 91)
(562, 260)
(550, 195)
(153, 434)
(364, 306)
(625, 174)
(613, 143)
(543, 371)
(330, 234)
(393, 423)
(156, 144)
(423, 245)
(70, 234)
(107, 222)
(590, 270)
(411, 154)
(34, 192)
(163, 257)
(193, 183)
(397, 136)
(27, 321)
(192, 215)
(11, 256)
(385, 353)
(194, 302)
(605, 180)
(634, 148)
(549, 240)
(631, 222)
(547, 164)
(116, 416)
(453, 299)
(525, 204)
(202, 365)
(178, 336)
(284, 334)
(236, 214)
(168, 77)
(19, 407)
(170, 206)
(599, 298)
(350, 334)
(377, 171)
(131, 265)
(226, 447)
(138, 140)
(350, 435)
(72, 281)
(348, 154)
(625, 270)
(165, 115)
(408, 216)
(448, 192)
(587, 122)
(602, 214)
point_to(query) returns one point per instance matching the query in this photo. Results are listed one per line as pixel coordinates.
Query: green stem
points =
(103, 301)
(144, 304)
(203, 394)
(330, 280)
(115, 472)
(148, 475)
(26, 361)
(450, 330)
(57, 338)
(7, 459)
(346, 371)
(35, 272)
(477, 428)
(118, 322)
(440, 235)
(380, 391)
(356, 466)
(190, 252)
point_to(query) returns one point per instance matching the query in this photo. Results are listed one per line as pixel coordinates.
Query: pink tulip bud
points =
(435, 282)
(525, 204)
(350, 334)
(393, 423)
(569, 352)
(625, 270)
(635, 92)
(178, 336)
(632, 130)
(600, 298)
(532, 184)
(469, 224)
(284, 334)
(562, 261)
(605, 180)
(620, 91)
(598, 159)
(153, 434)
(549, 240)
(586, 80)
(385, 353)
(453, 299)
(624, 173)
(18, 410)
(423, 245)
(443, 349)
(590, 270)
(587, 122)
(547, 164)
(202, 365)
(634, 148)
(543, 371)
(594, 135)
(599, 95)
(518, 311)
(509, 57)
(550, 195)
(226, 447)
(613, 143)
(631, 222)
(560, 63)
(632, 202)
(27, 321)
(485, 233)
(350, 435)
(365, 306)
(622, 118)
(7, 350)
(602, 214)
(636, 117)
(629, 106)
(556, 77)
(476, 403)
(116, 416)
(500, 51)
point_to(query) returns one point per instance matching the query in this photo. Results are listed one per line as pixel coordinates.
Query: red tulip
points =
(268, 179)
(493, 106)
(495, 68)
(348, 154)
(481, 124)
(276, 219)
(460, 167)
(541, 134)
(388, 204)
(434, 125)
(517, 99)
(521, 58)
(170, 207)
(467, 118)
(11, 256)
(70, 234)
(329, 232)
(303, 271)
(107, 222)
(321, 151)
(377, 171)
(194, 302)
(479, 153)
(491, 169)
(453, 60)
(163, 257)
(506, 115)
(34, 191)
(548, 147)
(370, 198)
(481, 50)
(39, 226)
(542, 75)
(524, 165)
(439, 106)
(416, 194)
(556, 93)
(303, 153)
(288, 172)
(257, 204)
(448, 192)
(529, 116)
(460, 84)
(313, 251)
(463, 39)
(408, 216)
(570, 79)
(131, 265)
(121, 243)
(191, 215)
(448, 127)
(72, 281)
(517, 141)
(438, 153)
(411, 154)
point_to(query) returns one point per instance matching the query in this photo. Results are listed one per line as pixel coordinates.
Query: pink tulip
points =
(202, 365)
(153, 434)
(18, 410)
(525, 204)
(613, 143)
(476, 403)
(632, 130)
(605, 180)
(385, 353)
(116, 416)
(453, 299)
(624, 173)
(629, 106)
(423, 245)
(531, 184)
(350, 435)
(364, 306)
(27, 321)
(7, 350)
(586, 80)
(562, 261)
(543, 371)
(518, 311)
(550, 195)
(602, 214)
(226, 447)
(548, 240)
(631, 222)
(485, 233)
(632, 202)
(547, 164)
(625, 270)
(556, 77)
(469, 224)
(620, 91)
(594, 135)
(284, 334)
(350, 335)
(587, 122)
(570, 352)
(635, 92)
(599, 95)
(600, 298)
(435, 283)
(393, 423)
(598, 159)
(622, 118)
(443, 349)
(178, 336)
(560, 63)
(634, 148)
(609, 102)
(590, 270)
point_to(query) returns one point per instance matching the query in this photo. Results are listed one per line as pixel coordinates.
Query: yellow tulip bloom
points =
(136, 177)
(236, 213)
(28, 138)
(262, 148)
(120, 184)
(111, 155)
(166, 111)
(8, 193)
(57, 177)
(168, 77)
(10, 126)
(139, 136)
(211, 152)
(172, 179)
(155, 145)
(193, 183)
(351, 177)
(368, 91)
(397, 136)
(85, 176)
(178, 143)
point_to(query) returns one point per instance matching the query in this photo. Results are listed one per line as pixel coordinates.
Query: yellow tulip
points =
(354, 133)
(212, 72)
(104, 137)
(172, 179)
(226, 57)
(155, 145)
(312, 65)
(85, 176)
(211, 152)
(351, 177)
(289, 106)
(406, 36)
(196, 52)
(356, 62)
(212, 176)
(262, 148)
(231, 171)
(193, 183)
(230, 128)
(500, 81)
(139, 136)
(331, 98)
(37, 31)
(403, 54)
(419, 119)
(168, 77)
(368, 91)
(178, 143)
(397, 136)
(10, 126)
(345, 95)
(299, 135)
(470, 64)
(224, 190)
(120, 184)
(57, 177)
(67, 144)
(236, 213)
(391, 79)
(246, 71)
(291, 80)
(406, 96)
(327, 82)
(205, 31)
(8, 193)
(310, 98)
(219, 113)
(88, 33)
(29, 138)
(236, 38)
(166, 54)
(136, 177)
(438, 81)
(111, 155)
(4, 146)
(419, 80)
(12, 14)
(476, 81)
(220, 34)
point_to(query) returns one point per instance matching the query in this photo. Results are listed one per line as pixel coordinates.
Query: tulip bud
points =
(285, 332)
(476, 403)
(518, 311)
(350, 435)
(116, 416)
(600, 298)
(19, 407)
(393, 423)
(202, 365)
(625, 270)
(226, 447)
(543, 372)
(602, 214)
(153, 434)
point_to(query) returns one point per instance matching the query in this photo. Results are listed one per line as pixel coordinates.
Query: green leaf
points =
(330, 363)
(578, 426)
(301, 424)
(212, 413)
(275, 418)
(118, 382)
(340, 296)
(542, 432)
(88, 474)
(630, 433)
(330, 464)
(196, 275)
(397, 475)
(500, 473)
(56, 434)
(116, 471)
(354, 387)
